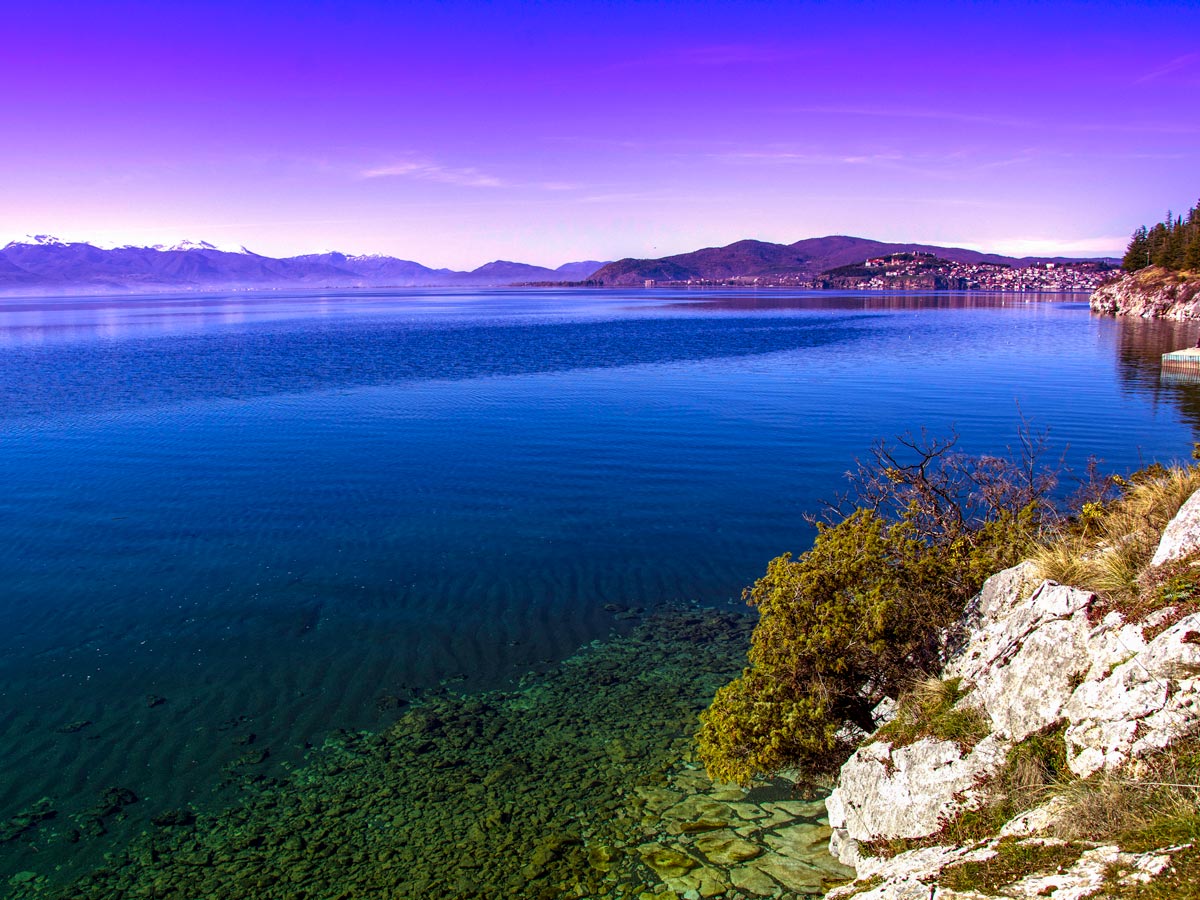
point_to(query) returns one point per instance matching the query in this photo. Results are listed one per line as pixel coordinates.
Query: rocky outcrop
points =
(915, 875)
(1025, 658)
(906, 792)
(1141, 705)
(1151, 293)
(1030, 658)
(1182, 535)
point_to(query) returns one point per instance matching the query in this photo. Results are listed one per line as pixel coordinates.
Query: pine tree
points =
(1157, 244)
(1191, 257)
(1173, 243)
(1137, 254)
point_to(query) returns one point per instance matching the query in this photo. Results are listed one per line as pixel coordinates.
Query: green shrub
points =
(848, 622)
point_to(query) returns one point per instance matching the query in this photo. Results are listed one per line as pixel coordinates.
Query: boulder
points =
(1182, 535)
(1035, 821)
(1142, 705)
(1026, 657)
(906, 792)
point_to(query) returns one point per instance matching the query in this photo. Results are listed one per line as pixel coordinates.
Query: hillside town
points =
(925, 271)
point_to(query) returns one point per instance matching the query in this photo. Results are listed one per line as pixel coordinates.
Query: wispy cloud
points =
(428, 171)
(463, 176)
(804, 158)
(941, 166)
(1179, 62)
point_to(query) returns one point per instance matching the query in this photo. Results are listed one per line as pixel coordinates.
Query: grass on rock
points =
(1013, 861)
(1110, 548)
(929, 709)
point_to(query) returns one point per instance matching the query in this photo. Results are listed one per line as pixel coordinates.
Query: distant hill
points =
(803, 260)
(43, 264)
(578, 271)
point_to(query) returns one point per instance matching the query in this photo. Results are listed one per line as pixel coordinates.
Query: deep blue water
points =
(274, 510)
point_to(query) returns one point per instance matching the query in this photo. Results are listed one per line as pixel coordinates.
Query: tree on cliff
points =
(852, 620)
(1172, 244)
(1137, 255)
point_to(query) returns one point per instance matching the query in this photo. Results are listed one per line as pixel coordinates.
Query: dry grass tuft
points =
(927, 709)
(1134, 807)
(1111, 548)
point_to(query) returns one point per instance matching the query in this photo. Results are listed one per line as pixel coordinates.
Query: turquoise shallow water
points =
(274, 515)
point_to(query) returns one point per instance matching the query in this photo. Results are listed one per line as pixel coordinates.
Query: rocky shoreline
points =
(1095, 696)
(1150, 293)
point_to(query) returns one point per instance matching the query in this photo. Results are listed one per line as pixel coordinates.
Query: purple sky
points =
(454, 133)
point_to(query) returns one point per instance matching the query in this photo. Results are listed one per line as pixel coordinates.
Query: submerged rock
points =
(504, 795)
(724, 848)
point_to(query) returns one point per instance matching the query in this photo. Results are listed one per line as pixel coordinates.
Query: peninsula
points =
(1161, 272)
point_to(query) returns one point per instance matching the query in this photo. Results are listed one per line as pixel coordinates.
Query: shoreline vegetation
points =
(986, 740)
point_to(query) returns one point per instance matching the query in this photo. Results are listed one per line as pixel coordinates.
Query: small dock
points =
(1182, 365)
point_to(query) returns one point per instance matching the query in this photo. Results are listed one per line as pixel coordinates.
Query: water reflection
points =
(1140, 344)
(825, 300)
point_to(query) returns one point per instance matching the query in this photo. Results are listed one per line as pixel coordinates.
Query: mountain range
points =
(42, 264)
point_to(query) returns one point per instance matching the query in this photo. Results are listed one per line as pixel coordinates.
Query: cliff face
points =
(1102, 698)
(1151, 293)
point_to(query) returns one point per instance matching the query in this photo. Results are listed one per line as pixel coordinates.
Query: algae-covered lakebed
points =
(536, 792)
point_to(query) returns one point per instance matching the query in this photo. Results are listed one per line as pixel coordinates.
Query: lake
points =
(243, 521)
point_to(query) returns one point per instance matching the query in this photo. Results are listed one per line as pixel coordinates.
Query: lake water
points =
(233, 521)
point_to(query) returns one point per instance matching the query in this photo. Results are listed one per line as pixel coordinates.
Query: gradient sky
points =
(454, 133)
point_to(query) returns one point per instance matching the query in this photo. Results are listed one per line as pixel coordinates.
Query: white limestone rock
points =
(1006, 589)
(1036, 820)
(1000, 593)
(1113, 642)
(1182, 534)
(1026, 657)
(845, 849)
(1142, 705)
(906, 792)
(914, 875)
(906, 875)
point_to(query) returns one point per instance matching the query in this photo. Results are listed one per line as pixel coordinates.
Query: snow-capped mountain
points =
(200, 245)
(45, 263)
(36, 240)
